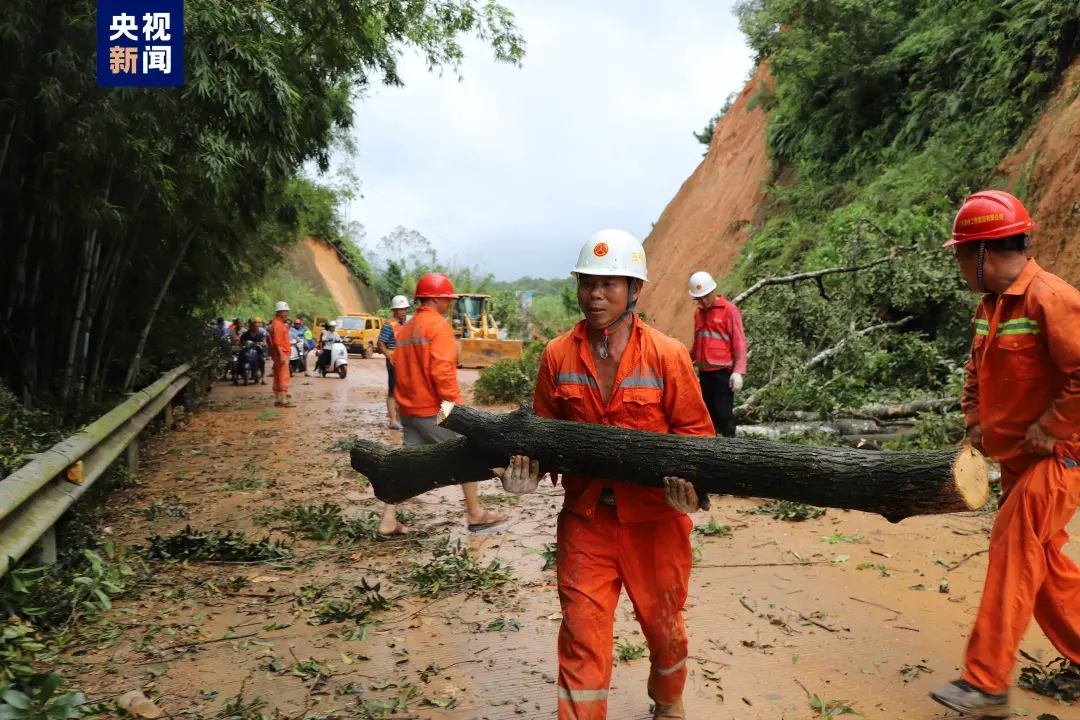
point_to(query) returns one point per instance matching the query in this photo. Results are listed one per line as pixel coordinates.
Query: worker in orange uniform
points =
(719, 351)
(425, 370)
(280, 349)
(613, 369)
(1021, 404)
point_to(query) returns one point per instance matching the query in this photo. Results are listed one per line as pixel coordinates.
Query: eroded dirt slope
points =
(705, 225)
(1046, 172)
(319, 265)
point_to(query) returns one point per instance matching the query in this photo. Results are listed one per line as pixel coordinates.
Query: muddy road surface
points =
(445, 624)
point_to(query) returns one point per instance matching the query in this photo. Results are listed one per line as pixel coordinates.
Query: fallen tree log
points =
(892, 484)
(906, 410)
(880, 413)
(780, 430)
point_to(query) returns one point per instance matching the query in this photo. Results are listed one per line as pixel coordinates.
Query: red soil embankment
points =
(705, 225)
(319, 265)
(1046, 175)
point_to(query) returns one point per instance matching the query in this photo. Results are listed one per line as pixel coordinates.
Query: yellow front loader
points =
(477, 332)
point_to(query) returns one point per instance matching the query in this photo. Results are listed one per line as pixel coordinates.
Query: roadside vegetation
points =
(881, 117)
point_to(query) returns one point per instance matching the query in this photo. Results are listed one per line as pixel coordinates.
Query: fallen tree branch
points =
(817, 360)
(900, 411)
(949, 567)
(814, 275)
(877, 605)
(779, 430)
(905, 410)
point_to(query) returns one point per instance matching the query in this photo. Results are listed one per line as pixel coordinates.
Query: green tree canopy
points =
(127, 209)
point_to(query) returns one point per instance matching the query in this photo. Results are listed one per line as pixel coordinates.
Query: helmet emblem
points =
(698, 286)
(600, 249)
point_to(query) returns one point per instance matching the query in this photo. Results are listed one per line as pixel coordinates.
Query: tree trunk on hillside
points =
(144, 334)
(895, 485)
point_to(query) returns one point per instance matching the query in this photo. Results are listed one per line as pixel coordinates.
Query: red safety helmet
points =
(435, 285)
(989, 215)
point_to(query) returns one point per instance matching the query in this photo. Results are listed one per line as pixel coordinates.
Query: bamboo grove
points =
(125, 211)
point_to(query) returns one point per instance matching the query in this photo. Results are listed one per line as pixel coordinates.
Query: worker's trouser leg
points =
(281, 376)
(719, 400)
(1028, 574)
(595, 559)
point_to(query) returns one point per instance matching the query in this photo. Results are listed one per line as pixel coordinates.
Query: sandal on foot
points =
(491, 519)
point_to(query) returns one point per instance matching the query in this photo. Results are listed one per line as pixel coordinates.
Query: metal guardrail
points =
(34, 497)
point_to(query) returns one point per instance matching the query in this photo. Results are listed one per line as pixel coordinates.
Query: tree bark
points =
(895, 485)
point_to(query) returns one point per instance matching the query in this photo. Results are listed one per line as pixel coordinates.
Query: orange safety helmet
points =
(435, 285)
(989, 215)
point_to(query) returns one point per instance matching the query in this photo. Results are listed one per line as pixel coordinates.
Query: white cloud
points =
(512, 168)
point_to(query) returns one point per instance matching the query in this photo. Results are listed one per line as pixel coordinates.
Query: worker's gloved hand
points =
(520, 476)
(735, 383)
(681, 495)
(1038, 441)
(974, 438)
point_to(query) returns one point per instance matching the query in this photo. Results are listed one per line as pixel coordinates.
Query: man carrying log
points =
(613, 369)
(1021, 402)
(425, 368)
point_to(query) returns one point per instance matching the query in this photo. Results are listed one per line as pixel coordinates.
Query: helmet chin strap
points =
(980, 261)
(603, 349)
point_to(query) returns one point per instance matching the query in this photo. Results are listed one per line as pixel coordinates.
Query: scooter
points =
(297, 356)
(337, 362)
(249, 365)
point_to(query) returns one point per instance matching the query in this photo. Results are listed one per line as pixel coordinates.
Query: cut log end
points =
(972, 477)
(445, 408)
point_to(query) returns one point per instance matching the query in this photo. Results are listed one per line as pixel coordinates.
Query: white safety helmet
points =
(701, 284)
(281, 305)
(400, 302)
(612, 252)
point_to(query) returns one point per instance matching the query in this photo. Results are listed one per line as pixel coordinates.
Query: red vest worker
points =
(719, 351)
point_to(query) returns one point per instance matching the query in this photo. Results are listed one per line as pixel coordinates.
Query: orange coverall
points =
(641, 543)
(425, 363)
(280, 349)
(1025, 368)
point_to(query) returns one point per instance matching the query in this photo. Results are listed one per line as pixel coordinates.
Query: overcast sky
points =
(512, 168)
